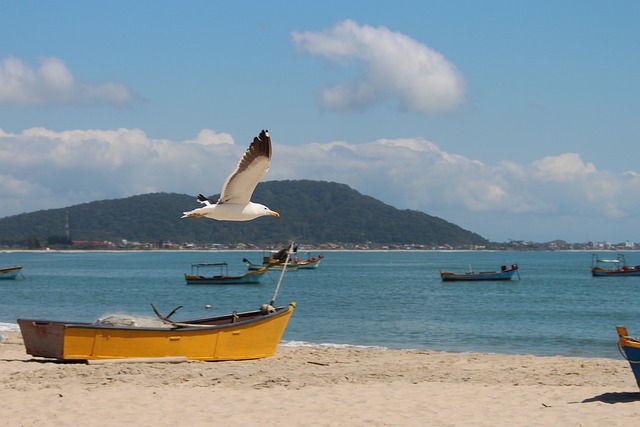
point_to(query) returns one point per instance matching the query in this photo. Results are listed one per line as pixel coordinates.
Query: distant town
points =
(512, 245)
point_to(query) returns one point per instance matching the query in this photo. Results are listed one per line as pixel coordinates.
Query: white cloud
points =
(44, 169)
(563, 168)
(207, 136)
(397, 67)
(53, 83)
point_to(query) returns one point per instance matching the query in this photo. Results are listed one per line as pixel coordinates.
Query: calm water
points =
(388, 299)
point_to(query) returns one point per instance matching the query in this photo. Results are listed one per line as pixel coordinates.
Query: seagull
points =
(235, 202)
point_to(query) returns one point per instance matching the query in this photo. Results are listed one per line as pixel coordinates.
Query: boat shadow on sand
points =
(46, 361)
(616, 397)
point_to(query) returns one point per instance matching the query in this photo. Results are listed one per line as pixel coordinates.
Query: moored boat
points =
(630, 349)
(310, 263)
(270, 264)
(505, 273)
(278, 260)
(10, 273)
(195, 278)
(235, 336)
(612, 267)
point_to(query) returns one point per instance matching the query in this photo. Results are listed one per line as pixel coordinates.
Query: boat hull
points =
(630, 350)
(291, 266)
(251, 335)
(310, 264)
(481, 276)
(10, 273)
(251, 278)
(616, 267)
(601, 272)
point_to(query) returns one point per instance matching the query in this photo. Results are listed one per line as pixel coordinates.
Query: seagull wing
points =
(239, 186)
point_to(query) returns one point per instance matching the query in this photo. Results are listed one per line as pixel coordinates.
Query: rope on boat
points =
(284, 267)
(624, 354)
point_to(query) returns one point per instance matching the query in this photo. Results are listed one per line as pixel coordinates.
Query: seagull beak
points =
(274, 213)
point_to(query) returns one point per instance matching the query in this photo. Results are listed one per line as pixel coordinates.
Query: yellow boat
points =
(235, 336)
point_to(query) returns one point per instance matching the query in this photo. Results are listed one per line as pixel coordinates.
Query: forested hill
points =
(311, 212)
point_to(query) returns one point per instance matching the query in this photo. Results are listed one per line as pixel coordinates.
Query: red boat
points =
(612, 267)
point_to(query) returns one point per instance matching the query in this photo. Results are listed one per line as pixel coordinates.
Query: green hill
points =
(312, 212)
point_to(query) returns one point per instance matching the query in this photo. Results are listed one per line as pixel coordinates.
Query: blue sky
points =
(515, 120)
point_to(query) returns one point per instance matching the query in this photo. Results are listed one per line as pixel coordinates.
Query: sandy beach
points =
(304, 386)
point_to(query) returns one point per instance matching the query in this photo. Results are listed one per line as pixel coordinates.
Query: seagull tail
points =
(203, 200)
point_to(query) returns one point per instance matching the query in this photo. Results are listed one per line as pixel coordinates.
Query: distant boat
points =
(310, 263)
(505, 273)
(277, 260)
(612, 267)
(235, 336)
(10, 272)
(630, 349)
(274, 265)
(195, 278)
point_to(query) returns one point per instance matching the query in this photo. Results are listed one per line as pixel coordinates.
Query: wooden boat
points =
(630, 349)
(195, 278)
(235, 336)
(310, 263)
(271, 264)
(505, 273)
(10, 272)
(277, 260)
(612, 267)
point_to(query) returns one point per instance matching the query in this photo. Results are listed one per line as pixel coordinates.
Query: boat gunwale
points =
(255, 317)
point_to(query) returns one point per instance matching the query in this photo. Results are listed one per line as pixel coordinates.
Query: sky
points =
(517, 120)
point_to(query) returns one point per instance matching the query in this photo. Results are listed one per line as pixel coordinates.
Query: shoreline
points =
(321, 386)
(11, 335)
(311, 249)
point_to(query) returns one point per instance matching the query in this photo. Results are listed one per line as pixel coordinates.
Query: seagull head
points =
(261, 210)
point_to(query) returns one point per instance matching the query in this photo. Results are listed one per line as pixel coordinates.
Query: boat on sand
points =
(235, 336)
(630, 349)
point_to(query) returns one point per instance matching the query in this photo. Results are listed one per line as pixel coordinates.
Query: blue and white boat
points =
(630, 349)
(10, 272)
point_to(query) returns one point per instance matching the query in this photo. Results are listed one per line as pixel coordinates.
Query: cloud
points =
(44, 169)
(54, 84)
(396, 67)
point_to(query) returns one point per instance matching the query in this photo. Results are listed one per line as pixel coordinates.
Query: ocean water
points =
(386, 299)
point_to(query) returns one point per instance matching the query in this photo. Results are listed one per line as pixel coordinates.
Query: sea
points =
(387, 299)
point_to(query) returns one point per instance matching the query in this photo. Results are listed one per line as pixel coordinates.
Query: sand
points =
(305, 386)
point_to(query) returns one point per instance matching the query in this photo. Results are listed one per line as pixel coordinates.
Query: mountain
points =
(312, 212)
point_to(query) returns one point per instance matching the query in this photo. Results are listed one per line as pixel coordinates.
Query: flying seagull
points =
(234, 203)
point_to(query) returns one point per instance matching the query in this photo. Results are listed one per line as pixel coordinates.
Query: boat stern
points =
(43, 338)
